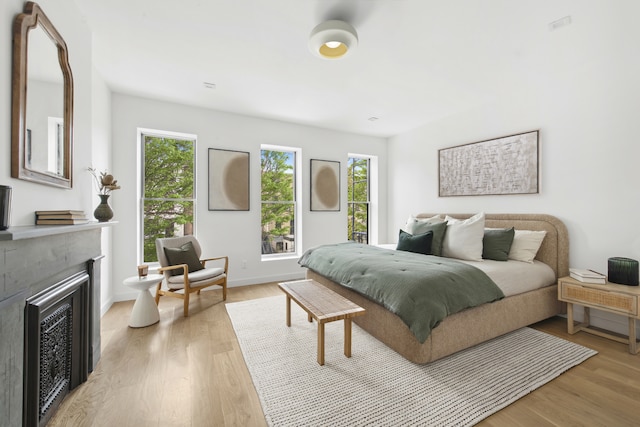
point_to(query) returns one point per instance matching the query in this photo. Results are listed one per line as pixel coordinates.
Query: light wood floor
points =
(190, 372)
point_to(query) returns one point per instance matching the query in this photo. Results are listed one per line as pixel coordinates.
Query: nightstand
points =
(618, 299)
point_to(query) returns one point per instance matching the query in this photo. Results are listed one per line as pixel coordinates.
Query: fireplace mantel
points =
(31, 231)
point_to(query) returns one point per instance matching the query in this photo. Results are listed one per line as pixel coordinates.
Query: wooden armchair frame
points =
(188, 286)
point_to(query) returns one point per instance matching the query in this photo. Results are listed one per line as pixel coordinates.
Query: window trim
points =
(297, 191)
(140, 183)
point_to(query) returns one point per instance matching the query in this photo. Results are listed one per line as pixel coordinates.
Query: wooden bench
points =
(323, 305)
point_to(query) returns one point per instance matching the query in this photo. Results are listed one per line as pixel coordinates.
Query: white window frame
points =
(140, 181)
(374, 204)
(297, 232)
(55, 145)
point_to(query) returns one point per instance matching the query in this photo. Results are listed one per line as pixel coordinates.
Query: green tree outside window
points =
(278, 201)
(358, 199)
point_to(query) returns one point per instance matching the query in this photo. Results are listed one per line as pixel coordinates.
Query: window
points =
(168, 189)
(279, 210)
(358, 199)
(55, 136)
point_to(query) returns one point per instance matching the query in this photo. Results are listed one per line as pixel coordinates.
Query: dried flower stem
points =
(104, 181)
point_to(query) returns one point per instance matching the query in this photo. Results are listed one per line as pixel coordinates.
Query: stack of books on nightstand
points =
(587, 276)
(62, 217)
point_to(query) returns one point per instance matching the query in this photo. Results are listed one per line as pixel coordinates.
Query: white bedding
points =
(516, 277)
(512, 277)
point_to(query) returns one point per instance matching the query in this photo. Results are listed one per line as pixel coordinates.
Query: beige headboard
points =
(555, 247)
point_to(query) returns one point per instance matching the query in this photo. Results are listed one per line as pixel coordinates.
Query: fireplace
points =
(49, 283)
(56, 346)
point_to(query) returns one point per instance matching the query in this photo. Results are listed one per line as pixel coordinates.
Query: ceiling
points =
(417, 60)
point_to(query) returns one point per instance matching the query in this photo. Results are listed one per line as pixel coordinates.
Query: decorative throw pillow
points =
(526, 244)
(463, 239)
(413, 221)
(435, 224)
(419, 243)
(496, 243)
(185, 254)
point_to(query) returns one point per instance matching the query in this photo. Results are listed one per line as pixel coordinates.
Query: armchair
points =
(184, 272)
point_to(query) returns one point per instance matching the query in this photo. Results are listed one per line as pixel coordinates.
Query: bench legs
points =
(320, 343)
(288, 310)
(347, 333)
(347, 337)
(347, 340)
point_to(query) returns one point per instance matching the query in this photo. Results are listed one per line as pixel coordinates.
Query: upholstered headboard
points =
(555, 247)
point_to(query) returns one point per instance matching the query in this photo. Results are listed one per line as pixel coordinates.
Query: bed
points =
(478, 324)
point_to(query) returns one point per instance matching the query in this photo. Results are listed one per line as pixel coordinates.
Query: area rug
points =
(377, 386)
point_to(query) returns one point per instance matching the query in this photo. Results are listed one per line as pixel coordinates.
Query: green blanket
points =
(421, 289)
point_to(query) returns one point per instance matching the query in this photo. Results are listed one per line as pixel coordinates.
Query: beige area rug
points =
(377, 386)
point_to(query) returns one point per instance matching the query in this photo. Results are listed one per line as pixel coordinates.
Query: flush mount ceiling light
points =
(333, 39)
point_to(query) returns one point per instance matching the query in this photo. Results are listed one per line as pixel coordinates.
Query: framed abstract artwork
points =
(506, 165)
(228, 180)
(325, 185)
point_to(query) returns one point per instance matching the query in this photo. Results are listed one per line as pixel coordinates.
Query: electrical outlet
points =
(244, 264)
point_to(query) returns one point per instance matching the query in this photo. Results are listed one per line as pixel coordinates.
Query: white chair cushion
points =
(206, 274)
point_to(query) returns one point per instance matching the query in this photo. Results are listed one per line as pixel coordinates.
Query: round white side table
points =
(145, 311)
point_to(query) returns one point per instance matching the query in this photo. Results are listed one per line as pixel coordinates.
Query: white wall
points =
(585, 102)
(28, 196)
(101, 160)
(236, 234)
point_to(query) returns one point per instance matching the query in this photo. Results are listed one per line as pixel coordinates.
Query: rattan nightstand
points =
(618, 299)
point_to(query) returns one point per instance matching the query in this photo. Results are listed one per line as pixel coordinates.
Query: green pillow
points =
(420, 243)
(438, 230)
(496, 243)
(185, 254)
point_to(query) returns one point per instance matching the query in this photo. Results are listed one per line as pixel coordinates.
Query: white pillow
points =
(463, 239)
(413, 222)
(526, 244)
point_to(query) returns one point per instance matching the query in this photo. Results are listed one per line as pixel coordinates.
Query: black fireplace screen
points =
(56, 346)
(56, 354)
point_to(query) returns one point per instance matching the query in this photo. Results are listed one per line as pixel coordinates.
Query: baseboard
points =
(267, 279)
(128, 296)
(106, 306)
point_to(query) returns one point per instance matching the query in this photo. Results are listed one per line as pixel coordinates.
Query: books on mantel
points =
(61, 217)
(587, 276)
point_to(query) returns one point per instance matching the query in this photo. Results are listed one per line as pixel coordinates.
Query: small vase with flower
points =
(106, 184)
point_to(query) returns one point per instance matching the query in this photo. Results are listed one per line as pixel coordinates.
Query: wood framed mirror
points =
(42, 101)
